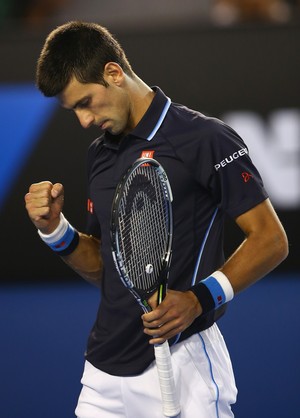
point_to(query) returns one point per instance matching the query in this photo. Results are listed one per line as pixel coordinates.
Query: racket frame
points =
(170, 402)
(140, 295)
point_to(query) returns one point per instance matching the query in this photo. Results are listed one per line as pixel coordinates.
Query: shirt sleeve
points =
(220, 162)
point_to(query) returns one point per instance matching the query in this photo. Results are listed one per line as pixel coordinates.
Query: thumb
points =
(152, 301)
(57, 190)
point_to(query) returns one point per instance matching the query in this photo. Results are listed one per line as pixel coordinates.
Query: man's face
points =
(94, 104)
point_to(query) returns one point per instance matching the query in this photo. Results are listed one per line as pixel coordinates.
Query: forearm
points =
(254, 259)
(86, 259)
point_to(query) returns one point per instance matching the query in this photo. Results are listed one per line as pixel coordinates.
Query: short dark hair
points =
(77, 49)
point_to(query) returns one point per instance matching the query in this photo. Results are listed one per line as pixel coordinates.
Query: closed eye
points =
(83, 104)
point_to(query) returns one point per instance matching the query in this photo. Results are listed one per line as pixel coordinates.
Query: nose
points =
(85, 118)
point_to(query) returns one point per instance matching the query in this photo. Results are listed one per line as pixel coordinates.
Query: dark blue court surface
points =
(44, 329)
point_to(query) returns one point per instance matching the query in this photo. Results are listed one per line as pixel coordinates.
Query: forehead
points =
(75, 91)
(72, 93)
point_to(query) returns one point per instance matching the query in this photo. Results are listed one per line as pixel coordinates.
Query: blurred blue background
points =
(44, 328)
(243, 61)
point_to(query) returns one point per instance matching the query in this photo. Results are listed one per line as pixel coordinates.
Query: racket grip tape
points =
(170, 402)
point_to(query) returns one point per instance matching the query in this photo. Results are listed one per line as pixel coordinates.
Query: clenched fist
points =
(44, 203)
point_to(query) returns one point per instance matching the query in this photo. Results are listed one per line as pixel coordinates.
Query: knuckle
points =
(41, 186)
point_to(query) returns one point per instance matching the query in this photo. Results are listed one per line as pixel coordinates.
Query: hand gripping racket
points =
(141, 234)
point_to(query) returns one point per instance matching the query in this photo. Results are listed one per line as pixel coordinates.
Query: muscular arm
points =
(86, 259)
(264, 247)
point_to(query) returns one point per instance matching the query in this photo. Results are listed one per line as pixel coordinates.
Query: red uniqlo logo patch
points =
(147, 154)
(220, 300)
(60, 245)
(90, 206)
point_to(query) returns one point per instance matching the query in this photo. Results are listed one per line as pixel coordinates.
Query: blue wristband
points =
(215, 290)
(64, 239)
(63, 244)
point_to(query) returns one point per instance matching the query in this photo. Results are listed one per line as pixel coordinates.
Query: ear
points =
(113, 73)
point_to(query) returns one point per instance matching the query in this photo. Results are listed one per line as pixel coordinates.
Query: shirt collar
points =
(150, 122)
(153, 118)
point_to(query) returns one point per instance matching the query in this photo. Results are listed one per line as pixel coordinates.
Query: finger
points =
(37, 211)
(152, 301)
(158, 336)
(154, 317)
(163, 328)
(154, 325)
(154, 341)
(158, 310)
(41, 187)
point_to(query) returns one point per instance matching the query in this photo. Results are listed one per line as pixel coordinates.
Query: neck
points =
(141, 96)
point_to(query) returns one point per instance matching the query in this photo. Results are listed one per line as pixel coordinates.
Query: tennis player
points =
(211, 175)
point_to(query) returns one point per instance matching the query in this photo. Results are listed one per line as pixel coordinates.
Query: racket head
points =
(142, 228)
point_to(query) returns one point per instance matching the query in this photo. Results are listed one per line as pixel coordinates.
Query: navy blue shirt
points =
(211, 174)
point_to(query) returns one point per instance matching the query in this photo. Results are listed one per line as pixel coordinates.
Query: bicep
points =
(263, 249)
(262, 219)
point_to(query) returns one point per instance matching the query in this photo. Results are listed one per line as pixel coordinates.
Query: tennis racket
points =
(141, 235)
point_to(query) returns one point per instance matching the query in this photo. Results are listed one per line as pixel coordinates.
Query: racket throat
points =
(162, 287)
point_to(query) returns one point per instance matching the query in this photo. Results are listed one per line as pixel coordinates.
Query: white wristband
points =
(213, 291)
(64, 239)
(58, 233)
(223, 281)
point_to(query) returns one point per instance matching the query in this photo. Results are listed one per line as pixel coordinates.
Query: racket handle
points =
(170, 403)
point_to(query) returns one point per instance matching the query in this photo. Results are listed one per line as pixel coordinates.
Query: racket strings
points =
(146, 252)
(144, 226)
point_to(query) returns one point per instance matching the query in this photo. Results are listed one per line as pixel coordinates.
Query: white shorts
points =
(203, 375)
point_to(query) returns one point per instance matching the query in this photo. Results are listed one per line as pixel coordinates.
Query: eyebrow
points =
(77, 103)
